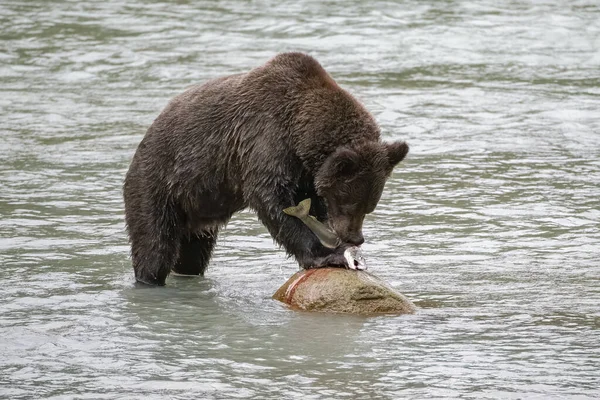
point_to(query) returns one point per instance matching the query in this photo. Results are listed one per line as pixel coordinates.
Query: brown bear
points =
(265, 139)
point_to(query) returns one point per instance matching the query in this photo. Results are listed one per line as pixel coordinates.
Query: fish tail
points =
(299, 211)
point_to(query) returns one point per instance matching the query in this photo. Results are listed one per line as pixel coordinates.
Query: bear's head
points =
(351, 181)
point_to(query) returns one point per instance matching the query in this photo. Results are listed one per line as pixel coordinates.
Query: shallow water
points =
(491, 226)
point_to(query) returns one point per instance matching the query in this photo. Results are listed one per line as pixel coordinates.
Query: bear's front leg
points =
(298, 240)
(336, 258)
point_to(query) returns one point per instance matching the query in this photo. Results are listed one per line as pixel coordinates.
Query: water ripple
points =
(491, 226)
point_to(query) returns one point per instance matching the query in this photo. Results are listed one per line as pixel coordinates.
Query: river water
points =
(491, 226)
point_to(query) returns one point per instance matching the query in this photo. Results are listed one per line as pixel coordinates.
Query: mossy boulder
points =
(341, 290)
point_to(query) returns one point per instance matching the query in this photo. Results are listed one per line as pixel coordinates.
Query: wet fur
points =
(267, 139)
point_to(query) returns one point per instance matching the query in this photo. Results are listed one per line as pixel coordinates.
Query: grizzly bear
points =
(265, 139)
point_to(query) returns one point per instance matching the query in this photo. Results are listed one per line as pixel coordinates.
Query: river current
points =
(491, 225)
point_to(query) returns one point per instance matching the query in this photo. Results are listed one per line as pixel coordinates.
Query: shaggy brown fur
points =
(266, 139)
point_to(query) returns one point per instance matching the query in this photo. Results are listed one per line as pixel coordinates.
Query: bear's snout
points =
(356, 239)
(349, 229)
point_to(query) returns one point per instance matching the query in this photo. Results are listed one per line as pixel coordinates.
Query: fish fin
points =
(301, 210)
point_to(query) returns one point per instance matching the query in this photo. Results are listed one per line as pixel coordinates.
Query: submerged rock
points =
(342, 291)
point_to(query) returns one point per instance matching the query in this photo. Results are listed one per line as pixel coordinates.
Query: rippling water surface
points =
(492, 225)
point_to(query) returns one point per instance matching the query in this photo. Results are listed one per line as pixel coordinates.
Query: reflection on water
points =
(492, 225)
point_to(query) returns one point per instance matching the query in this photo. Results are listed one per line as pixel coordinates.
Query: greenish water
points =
(492, 225)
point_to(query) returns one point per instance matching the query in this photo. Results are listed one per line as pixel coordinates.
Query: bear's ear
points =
(396, 152)
(345, 162)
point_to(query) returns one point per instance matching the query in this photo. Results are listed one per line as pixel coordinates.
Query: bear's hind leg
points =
(153, 257)
(195, 253)
(155, 241)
